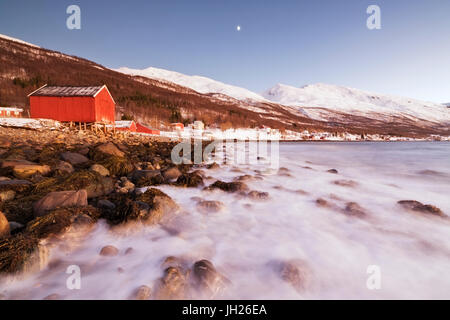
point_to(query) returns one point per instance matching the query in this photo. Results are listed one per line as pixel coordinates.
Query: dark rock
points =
(208, 279)
(173, 285)
(74, 158)
(213, 166)
(110, 149)
(346, 183)
(294, 272)
(419, 207)
(190, 180)
(231, 187)
(109, 251)
(354, 209)
(322, 202)
(333, 171)
(106, 204)
(60, 199)
(171, 174)
(15, 185)
(53, 296)
(142, 293)
(145, 178)
(64, 167)
(210, 206)
(257, 195)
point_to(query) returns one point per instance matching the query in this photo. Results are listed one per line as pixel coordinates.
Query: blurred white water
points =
(412, 251)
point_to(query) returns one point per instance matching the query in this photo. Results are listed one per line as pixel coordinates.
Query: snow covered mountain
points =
(354, 101)
(197, 83)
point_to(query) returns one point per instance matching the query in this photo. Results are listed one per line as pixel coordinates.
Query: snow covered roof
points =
(124, 124)
(58, 91)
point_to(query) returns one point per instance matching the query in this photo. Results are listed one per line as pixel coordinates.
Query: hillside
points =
(157, 97)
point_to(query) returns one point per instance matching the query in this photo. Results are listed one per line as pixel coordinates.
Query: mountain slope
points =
(197, 83)
(356, 101)
(25, 67)
(155, 102)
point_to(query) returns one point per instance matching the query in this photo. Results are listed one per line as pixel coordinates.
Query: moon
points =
(238, 28)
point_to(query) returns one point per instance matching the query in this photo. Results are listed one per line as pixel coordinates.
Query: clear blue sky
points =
(293, 42)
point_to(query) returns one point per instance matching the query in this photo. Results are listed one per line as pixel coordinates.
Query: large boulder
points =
(110, 149)
(60, 199)
(190, 180)
(4, 226)
(23, 169)
(74, 158)
(15, 185)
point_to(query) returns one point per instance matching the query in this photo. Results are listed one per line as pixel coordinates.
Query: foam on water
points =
(412, 251)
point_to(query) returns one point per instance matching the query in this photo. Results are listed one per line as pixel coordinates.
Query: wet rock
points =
(109, 251)
(322, 202)
(258, 195)
(53, 296)
(346, 183)
(296, 273)
(94, 184)
(231, 187)
(23, 169)
(190, 180)
(64, 167)
(129, 251)
(142, 293)
(354, 209)
(60, 199)
(173, 285)
(210, 206)
(208, 279)
(150, 207)
(171, 174)
(213, 166)
(110, 149)
(74, 158)
(419, 207)
(145, 178)
(4, 226)
(333, 171)
(106, 204)
(101, 170)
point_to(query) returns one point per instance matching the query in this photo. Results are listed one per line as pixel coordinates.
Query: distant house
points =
(126, 126)
(77, 104)
(177, 126)
(144, 129)
(10, 112)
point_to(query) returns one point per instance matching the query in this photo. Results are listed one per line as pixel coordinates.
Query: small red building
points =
(77, 104)
(10, 112)
(129, 126)
(144, 129)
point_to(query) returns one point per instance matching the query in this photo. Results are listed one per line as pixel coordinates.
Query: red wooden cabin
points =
(77, 104)
(123, 125)
(144, 129)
